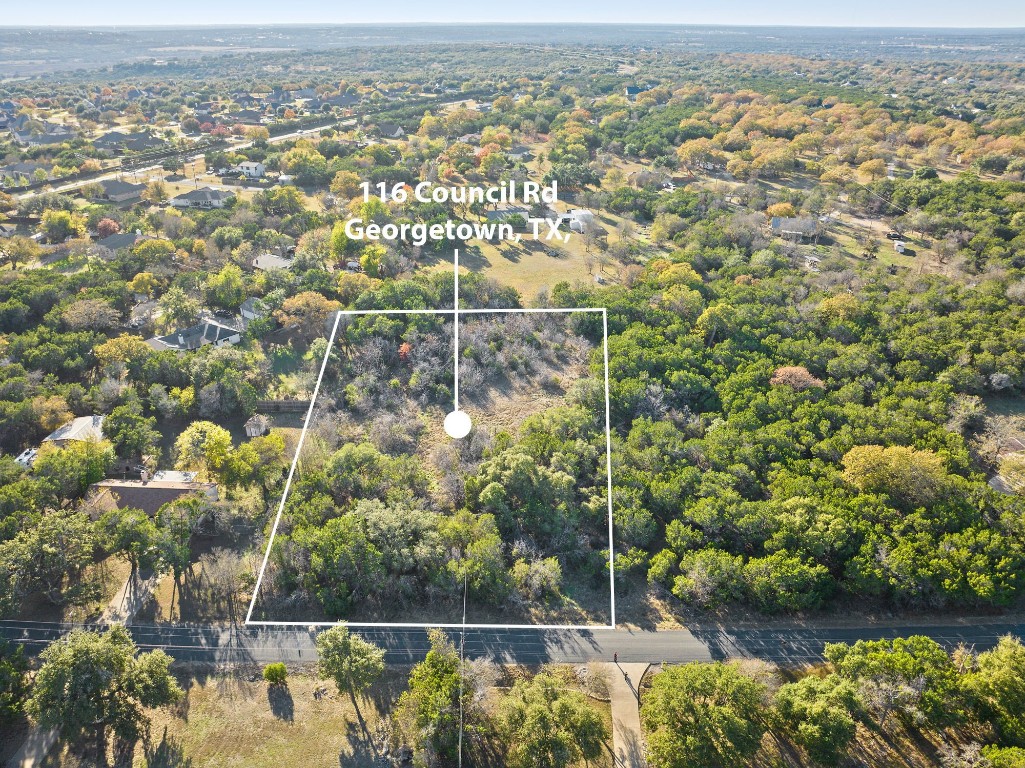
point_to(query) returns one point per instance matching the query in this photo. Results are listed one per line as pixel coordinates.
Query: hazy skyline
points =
(866, 13)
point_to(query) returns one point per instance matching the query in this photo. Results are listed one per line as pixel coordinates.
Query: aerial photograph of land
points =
(434, 385)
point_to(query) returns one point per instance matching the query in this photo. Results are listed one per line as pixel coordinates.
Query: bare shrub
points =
(796, 377)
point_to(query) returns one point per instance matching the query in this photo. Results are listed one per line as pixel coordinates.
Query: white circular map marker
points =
(457, 424)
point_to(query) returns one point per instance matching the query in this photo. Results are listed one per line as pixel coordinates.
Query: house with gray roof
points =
(84, 429)
(203, 199)
(117, 191)
(205, 332)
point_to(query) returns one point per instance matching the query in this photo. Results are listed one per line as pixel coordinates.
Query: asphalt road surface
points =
(249, 645)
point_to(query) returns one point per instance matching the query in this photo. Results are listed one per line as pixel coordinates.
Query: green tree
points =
(343, 565)
(126, 349)
(307, 312)
(144, 282)
(716, 323)
(782, 582)
(703, 716)
(131, 433)
(131, 534)
(203, 447)
(341, 245)
(428, 710)
(818, 714)
(176, 523)
(178, 309)
(909, 675)
(72, 469)
(60, 225)
(371, 258)
(276, 673)
(1004, 757)
(345, 183)
(547, 725)
(14, 686)
(226, 288)
(996, 685)
(910, 477)
(19, 250)
(93, 684)
(307, 165)
(352, 662)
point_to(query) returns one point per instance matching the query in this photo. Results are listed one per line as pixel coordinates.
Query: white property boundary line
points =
(455, 311)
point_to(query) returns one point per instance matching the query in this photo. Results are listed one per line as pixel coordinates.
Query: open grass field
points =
(238, 721)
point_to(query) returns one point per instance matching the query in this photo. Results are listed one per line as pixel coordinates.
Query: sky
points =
(876, 13)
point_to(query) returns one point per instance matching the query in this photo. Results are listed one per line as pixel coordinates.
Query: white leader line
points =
(291, 470)
(455, 326)
(608, 462)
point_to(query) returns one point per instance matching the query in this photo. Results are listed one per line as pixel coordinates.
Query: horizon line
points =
(425, 23)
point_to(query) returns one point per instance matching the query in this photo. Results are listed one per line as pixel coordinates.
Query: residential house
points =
(205, 332)
(252, 170)
(84, 429)
(390, 130)
(17, 174)
(341, 101)
(578, 219)
(117, 142)
(117, 191)
(253, 309)
(268, 261)
(797, 229)
(244, 117)
(507, 211)
(203, 199)
(29, 132)
(7, 230)
(519, 154)
(122, 240)
(147, 495)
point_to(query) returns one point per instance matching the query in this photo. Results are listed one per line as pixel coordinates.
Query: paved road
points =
(224, 645)
(185, 158)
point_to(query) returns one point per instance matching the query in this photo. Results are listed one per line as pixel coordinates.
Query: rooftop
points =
(84, 428)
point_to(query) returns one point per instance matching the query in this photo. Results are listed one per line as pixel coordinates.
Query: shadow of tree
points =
(362, 750)
(167, 753)
(281, 704)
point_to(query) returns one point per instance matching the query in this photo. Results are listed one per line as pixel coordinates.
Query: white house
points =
(204, 199)
(577, 220)
(252, 309)
(390, 130)
(252, 170)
